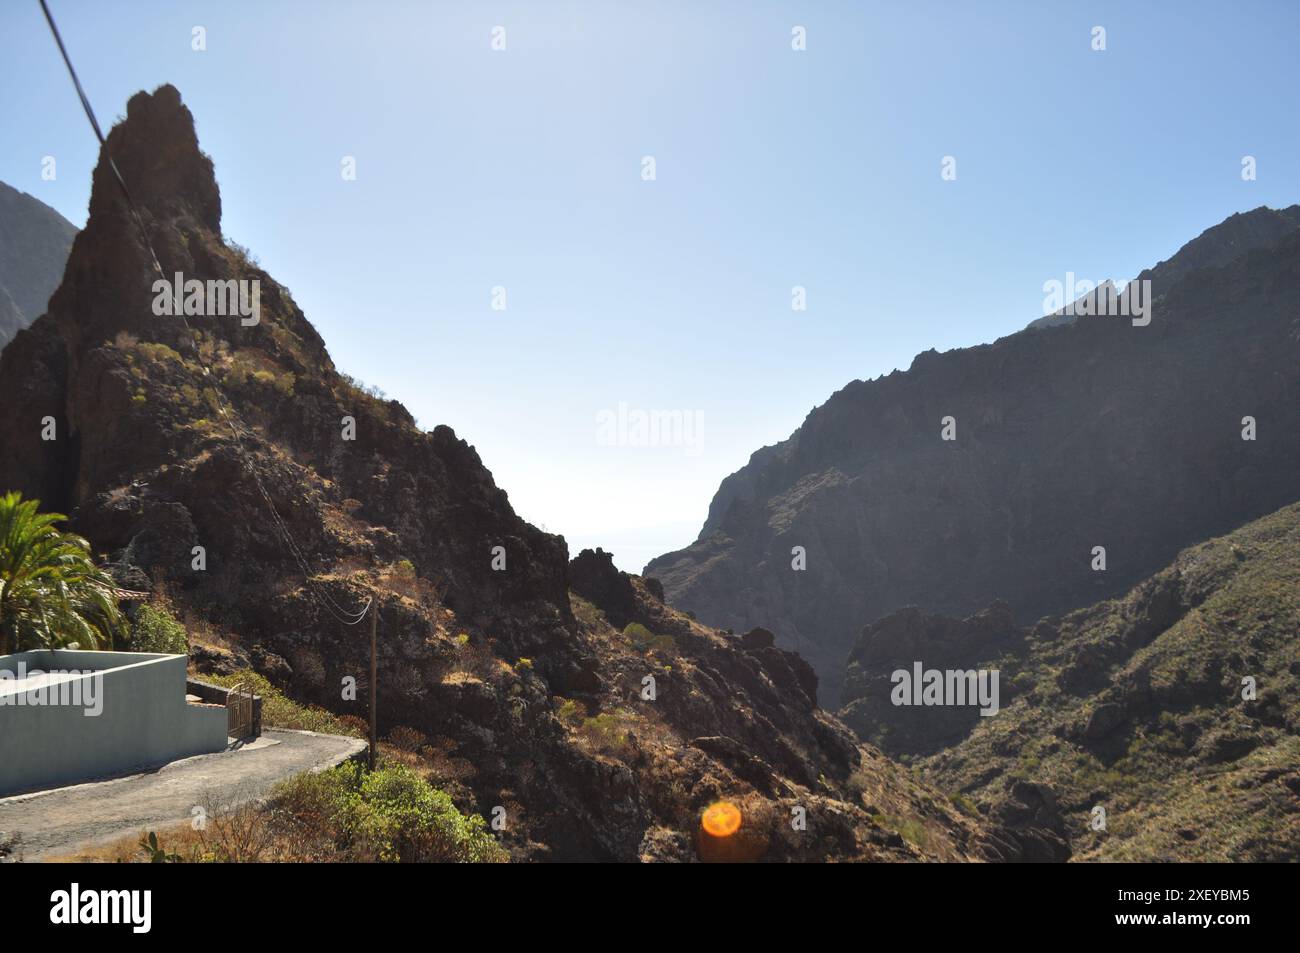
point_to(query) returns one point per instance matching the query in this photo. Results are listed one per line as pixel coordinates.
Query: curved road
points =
(59, 821)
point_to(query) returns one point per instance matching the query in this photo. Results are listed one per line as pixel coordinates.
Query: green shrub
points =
(643, 640)
(390, 815)
(157, 855)
(158, 352)
(409, 820)
(638, 635)
(283, 383)
(964, 804)
(911, 829)
(155, 629)
(914, 832)
(608, 731)
(569, 712)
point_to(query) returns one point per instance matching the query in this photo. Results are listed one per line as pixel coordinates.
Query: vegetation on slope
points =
(1175, 709)
(341, 815)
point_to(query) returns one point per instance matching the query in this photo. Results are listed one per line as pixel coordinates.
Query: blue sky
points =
(522, 168)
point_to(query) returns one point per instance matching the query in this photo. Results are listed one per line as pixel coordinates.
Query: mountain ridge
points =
(889, 518)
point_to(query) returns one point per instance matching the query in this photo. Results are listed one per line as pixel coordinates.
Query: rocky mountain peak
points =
(157, 151)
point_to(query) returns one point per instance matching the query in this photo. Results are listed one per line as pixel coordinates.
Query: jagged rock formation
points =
(1213, 248)
(1175, 709)
(516, 692)
(1092, 433)
(593, 576)
(34, 244)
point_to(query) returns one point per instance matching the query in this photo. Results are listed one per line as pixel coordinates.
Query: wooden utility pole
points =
(374, 622)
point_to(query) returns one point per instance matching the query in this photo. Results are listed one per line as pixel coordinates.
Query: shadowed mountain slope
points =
(34, 244)
(1092, 433)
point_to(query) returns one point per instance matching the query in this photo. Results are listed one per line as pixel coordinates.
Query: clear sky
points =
(522, 168)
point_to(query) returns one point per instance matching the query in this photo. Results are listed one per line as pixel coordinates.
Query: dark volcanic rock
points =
(1104, 719)
(593, 576)
(1094, 433)
(277, 670)
(1032, 821)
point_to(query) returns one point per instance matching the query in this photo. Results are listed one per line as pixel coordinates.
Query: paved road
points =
(64, 819)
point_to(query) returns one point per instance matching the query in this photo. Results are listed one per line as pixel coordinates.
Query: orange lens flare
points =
(721, 819)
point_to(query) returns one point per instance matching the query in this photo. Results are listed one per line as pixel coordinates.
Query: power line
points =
(323, 598)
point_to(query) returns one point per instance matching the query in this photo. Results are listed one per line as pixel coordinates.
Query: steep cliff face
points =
(34, 244)
(518, 694)
(1092, 433)
(1162, 725)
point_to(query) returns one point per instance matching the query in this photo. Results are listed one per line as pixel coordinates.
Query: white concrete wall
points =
(145, 721)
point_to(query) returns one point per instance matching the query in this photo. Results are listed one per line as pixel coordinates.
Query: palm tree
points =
(51, 591)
